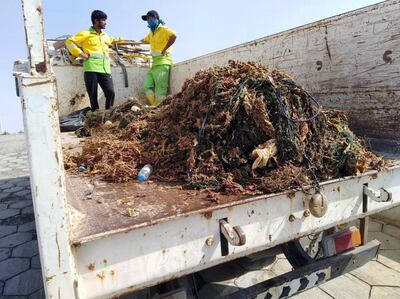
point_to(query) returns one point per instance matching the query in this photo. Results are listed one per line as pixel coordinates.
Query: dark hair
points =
(97, 15)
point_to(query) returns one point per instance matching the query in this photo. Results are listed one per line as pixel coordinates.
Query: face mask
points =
(152, 24)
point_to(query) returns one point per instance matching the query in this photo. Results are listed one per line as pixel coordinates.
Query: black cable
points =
(237, 93)
(312, 170)
(203, 123)
(202, 129)
(283, 107)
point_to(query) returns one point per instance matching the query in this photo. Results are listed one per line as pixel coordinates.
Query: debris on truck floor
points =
(232, 129)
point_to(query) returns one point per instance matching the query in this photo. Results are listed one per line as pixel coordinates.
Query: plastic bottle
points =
(145, 172)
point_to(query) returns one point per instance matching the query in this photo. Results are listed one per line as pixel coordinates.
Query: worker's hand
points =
(84, 56)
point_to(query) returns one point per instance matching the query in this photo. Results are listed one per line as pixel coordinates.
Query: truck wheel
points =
(304, 251)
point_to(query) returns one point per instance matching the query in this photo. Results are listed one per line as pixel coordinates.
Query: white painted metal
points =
(380, 196)
(71, 91)
(39, 105)
(134, 259)
(33, 22)
(231, 234)
(137, 258)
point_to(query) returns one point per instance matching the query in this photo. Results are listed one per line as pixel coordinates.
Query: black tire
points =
(295, 254)
(304, 251)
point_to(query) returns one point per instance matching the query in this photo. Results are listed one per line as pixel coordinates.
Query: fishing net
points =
(232, 129)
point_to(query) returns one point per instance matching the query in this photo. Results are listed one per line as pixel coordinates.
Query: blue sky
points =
(202, 27)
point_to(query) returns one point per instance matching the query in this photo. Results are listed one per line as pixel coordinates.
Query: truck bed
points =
(114, 207)
(100, 208)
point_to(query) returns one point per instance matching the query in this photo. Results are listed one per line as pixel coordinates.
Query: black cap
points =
(151, 13)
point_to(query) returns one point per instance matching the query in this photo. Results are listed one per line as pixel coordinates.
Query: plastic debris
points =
(88, 194)
(135, 108)
(145, 172)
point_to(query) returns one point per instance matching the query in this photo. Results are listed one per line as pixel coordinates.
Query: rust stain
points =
(210, 241)
(291, 195)
(49, 278)
(56, 156)
(386, 57)
(338, 188)
(77, 244)
(41, 67)
(58, 252)
(270, 237)
(76, 99)
(292, 218)
(100, 275)
(91, 266)
(112, 272)
(23, 103)
(373, 176)
(105, 262)
(328, 50)
(207, 215)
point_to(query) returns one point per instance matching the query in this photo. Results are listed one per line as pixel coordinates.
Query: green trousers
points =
(156, 84)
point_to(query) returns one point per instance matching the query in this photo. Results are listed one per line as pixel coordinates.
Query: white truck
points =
(91, 250)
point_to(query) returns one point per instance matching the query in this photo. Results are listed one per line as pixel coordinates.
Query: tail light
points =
(341, 241)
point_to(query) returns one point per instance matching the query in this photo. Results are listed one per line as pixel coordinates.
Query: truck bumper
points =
(309, 276)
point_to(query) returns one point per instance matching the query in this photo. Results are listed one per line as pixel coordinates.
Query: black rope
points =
(204, 121)
(202, 129)
(283, 107)
(312, 170)
(237, 94)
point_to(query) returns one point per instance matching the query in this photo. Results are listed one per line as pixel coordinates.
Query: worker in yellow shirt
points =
(160, 38)
(92, 45)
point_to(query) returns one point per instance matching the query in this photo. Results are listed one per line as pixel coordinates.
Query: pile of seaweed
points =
(231, 129)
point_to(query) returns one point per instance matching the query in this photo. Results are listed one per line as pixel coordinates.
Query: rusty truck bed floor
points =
(100, 208)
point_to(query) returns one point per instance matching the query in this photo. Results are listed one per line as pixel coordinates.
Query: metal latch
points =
(379, 196)
(234, 235)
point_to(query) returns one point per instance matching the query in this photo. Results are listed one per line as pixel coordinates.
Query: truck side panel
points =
(135, 258)
(71, 91)
(350, 61)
